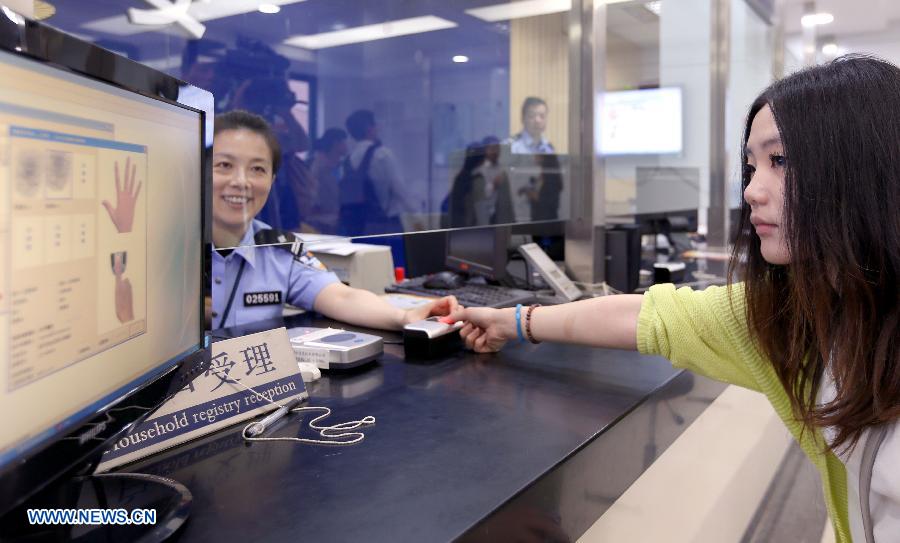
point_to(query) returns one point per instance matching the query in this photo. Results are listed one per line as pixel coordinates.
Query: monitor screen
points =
(480, 251)
(638, 122)
(100, 246)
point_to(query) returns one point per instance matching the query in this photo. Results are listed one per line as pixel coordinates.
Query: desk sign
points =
(264, 362)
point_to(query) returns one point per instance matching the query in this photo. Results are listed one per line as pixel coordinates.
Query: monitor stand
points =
(129, 491)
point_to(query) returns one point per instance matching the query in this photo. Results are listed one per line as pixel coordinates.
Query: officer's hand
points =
(441, 307)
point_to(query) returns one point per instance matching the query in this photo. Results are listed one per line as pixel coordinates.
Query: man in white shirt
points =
(531, 139)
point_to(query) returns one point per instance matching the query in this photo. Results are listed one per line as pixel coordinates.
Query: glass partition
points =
(389, 116)
(652, 123)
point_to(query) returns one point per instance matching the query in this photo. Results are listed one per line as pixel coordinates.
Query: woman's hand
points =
(438, 308)
(486, 330)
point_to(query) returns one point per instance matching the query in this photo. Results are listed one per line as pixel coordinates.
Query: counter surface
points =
(537, 439)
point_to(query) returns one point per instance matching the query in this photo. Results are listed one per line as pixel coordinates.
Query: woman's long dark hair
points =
(836, 306)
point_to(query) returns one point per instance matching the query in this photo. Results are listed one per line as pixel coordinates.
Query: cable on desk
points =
(324, 431)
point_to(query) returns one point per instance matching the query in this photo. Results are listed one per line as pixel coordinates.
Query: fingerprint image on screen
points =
(59, 170)
(28, 173)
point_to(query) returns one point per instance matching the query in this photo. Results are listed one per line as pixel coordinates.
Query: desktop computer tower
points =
(623, 257)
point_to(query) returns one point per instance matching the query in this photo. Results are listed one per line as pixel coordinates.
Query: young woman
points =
(253, 271)
(814, 320)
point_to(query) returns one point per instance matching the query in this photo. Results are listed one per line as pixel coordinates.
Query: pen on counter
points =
(261, 426)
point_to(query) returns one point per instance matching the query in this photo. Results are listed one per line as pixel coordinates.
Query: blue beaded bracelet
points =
(519, 323)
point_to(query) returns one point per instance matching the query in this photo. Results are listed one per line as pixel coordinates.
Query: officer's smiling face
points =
(242, 178)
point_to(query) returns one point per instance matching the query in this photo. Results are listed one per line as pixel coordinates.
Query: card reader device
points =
(431, 337)
(331, 348)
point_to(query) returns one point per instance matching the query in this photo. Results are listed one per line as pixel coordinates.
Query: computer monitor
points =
(102, 248)
(479, 251)
(674, 225)
(425, 252)
(622, 118)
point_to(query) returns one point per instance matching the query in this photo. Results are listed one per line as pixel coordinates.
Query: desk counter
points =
(538, 438)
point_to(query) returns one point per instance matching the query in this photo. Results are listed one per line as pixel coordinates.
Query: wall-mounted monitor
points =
(639, 122)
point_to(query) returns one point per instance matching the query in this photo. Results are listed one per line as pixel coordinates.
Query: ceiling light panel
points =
(520, 9)
(816, 19)
(378, 31)
(525, 8)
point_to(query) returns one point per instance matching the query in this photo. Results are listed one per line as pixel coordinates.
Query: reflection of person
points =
(543, 191)
(272, 99)
(534, 122)
(815, 321)
(463, 194)
(497, 203)
(123, 296)
(127, 193)
(319, 201)
(252, 76)
(252, 283)
(373, 195)
(480, 194)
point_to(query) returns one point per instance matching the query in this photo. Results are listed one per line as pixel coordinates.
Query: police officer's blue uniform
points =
(522, 143)
(271, 276)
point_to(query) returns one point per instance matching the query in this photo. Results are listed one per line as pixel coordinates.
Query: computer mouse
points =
(446, 280)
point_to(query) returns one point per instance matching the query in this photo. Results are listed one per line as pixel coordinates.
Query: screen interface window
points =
(99, 236)
(79, 235)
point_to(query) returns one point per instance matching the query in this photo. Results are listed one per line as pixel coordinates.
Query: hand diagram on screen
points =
(126, 196)
(124, 298)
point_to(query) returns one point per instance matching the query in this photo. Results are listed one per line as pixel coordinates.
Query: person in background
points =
(811, 313)
(319, 201)
(252, 283)
(468, 187)
(497, 203)
(259, 83)
(543, 190)
(373, 193)
(534, 123)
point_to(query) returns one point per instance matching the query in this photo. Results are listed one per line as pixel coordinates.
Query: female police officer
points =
(253, 270)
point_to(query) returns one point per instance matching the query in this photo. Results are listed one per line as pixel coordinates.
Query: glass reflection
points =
(480, 194)
(543, 190)
(373, 195)
(320, 203)
(374, 104)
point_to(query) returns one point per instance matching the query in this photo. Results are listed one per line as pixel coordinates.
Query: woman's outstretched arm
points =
(608, 321)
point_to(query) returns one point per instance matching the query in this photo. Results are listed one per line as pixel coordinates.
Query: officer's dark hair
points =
(359, 122)
(530, 102)
(239, 119)
(329, 139)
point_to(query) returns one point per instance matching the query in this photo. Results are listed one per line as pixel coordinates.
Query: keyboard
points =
(468, 295)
